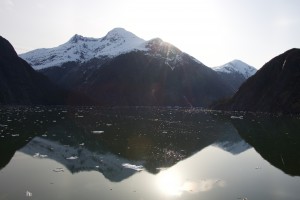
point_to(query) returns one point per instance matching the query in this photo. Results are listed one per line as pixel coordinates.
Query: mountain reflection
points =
(119, 142)
(276, 139)
(109, 140)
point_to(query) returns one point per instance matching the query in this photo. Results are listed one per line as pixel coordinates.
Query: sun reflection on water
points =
(171, 183)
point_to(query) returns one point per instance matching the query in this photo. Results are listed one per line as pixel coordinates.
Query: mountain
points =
(235, 73)
(123, 69)
(274, 88)
(80, 49)
(20, 84)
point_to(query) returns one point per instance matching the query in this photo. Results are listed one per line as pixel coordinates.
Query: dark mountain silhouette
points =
(274, 88)
(20, 84)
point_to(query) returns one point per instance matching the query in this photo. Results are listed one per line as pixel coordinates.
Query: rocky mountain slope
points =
(20, 84)
(274, 88)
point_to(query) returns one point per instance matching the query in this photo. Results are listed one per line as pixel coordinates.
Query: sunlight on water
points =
(170, 183)
(146, 153)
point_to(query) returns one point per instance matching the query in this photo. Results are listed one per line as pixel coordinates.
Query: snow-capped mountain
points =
(235, 73)
(81, 49)
(123, 69)
(237, 66)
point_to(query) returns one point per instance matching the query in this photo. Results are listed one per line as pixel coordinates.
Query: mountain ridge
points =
(81, 49)
(123, 69)
(237, 66)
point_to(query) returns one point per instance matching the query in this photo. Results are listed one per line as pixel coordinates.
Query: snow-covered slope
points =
(117, 41)
(237, 66)
(81, 49)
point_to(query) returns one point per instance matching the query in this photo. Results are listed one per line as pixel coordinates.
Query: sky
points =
(213, 31)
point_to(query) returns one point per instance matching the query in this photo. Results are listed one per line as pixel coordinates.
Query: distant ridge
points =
(235, 73)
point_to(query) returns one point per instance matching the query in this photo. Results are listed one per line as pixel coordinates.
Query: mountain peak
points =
(237, 66)
(6, 49)
(120, 34)
(75, 38)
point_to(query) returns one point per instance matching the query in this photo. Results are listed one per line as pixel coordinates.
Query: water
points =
(147, 153)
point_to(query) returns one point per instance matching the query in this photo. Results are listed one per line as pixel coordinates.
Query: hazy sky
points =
(213, 31)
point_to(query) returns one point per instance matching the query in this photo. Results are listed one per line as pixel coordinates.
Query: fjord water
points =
(147, 153)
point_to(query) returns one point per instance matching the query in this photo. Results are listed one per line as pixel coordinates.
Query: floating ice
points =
(72, 158)
(134, 167)
(38, 155)
(237, 117)
(97, 132)
(28, 194)
(59, 169)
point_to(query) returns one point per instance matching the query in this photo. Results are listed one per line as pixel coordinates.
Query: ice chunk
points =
(38, 155)
(58, 169)
(134, 167)
(72, 158)
(237, 117)
(97, 132)
(28, 194)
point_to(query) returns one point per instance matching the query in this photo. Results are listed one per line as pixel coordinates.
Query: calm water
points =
(147, 153)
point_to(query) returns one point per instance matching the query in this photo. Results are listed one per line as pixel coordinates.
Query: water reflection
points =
(88, 138)
(276, 139)
(119, 142)
(171, 183)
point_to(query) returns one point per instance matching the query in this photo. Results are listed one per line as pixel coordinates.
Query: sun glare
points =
(169, 183)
